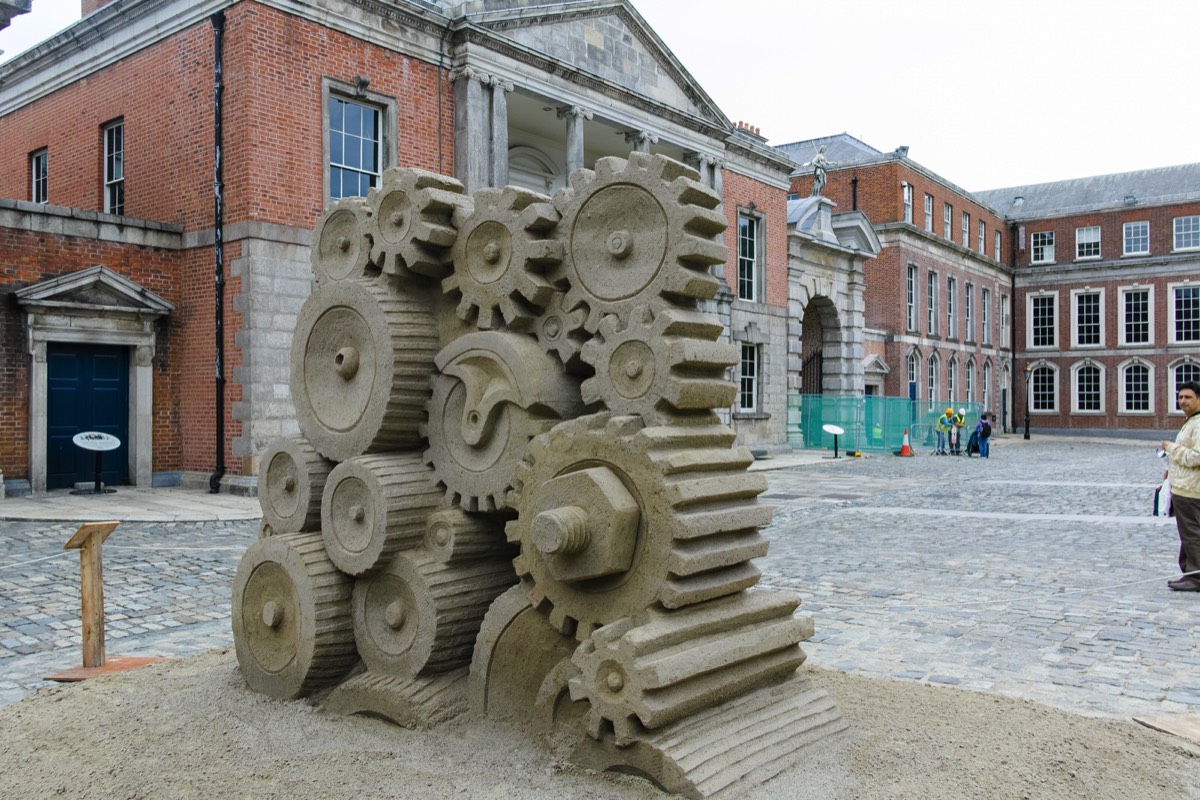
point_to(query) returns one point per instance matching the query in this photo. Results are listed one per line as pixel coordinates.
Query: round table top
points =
(95, 440)
(831, 428)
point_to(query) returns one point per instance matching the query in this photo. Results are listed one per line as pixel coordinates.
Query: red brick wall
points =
(27, 258)
(88, 6)
(740, 192)
(1111, 232)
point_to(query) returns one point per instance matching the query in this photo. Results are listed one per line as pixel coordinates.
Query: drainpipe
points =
(218, 23)
(854, 193)
(1012, 328)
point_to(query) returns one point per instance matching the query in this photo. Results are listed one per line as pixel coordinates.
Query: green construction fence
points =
(871, 423)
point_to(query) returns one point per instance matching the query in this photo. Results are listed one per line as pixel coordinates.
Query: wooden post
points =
(88, 541)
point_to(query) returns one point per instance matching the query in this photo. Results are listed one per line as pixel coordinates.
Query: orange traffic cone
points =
(905, 450)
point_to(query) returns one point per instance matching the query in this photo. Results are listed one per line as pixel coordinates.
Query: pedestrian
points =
(945, 424)
(983, 433)
(1183, 469)
(960, 419)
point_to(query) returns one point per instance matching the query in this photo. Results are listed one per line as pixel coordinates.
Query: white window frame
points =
(969, 380)
(932, 368)
(982, 238)
(1084, 240)
(39, 176)
(1075, 369)
(1172, 309)
(907, 191)
(1030, 393)
(1005, 317)
(952, 379)
(1187, 230)
(929, 212)
(987, 385)
(1075, 295)
(966, 230)
(1041, 247)
(112, 138)
(1127, 234)
(947, 221)
(750, 268)
(1029, 299)
(931, 285)
(388, 128)
(968, 312)
(749, 373)
(1122, 401)
(951, 307)
(985, 309)
(912, 298)
(913, 362)
(1173, 382)
(996, 252)
(1122, 331)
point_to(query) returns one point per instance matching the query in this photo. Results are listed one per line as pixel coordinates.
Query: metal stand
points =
(98, 488)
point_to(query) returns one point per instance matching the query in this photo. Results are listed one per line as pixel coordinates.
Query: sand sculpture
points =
(511, 494)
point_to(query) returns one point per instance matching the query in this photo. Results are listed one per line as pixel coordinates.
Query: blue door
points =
(87, 390)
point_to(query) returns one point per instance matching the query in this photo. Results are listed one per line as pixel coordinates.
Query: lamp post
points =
(1028, 395)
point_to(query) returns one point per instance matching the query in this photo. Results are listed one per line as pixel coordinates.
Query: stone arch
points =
(823, 332)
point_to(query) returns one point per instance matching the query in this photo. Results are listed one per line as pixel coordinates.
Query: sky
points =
(986, 94)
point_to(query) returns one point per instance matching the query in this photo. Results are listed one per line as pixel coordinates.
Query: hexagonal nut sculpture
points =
(586, 524)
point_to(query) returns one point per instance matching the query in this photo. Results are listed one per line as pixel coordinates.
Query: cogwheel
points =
(342, 242)
(561, 332)
(615, 516)
(496, 391)
(643, 672)
(410, 222)
(666, 357)
(501, 256)
(637, 230)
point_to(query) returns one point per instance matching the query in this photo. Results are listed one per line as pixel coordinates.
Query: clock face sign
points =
(95, 440)
(834, 429)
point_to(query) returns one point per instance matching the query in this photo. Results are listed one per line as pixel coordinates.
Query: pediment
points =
(875, 364)
(97, 288)
(602, 38)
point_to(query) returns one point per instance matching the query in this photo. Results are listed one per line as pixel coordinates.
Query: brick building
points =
(166, 160)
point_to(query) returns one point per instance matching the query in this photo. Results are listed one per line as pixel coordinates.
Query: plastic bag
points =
(1162, 500)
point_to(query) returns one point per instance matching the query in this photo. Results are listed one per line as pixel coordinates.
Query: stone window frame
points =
(912, 298)
(969, 380)
(985, 382)
(389, 125)
(932, 378)
(1101, 381)
(1173, 315)
(951, 307)
(1076, 322)
(931, 292)
(1122, 311)
(985, 318)
(1123, 370)
(1050, 387)
(749, 380)
(752, 276)
(1031, 322)
(1173, 381)
(968, 333)
(952, 377)
(39, 175)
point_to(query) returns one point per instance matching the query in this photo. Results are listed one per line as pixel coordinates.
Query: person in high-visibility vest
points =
(945, 425)
(960, 419)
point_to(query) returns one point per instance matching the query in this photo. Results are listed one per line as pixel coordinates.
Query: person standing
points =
(983, 434)
(945, 424)
(960, 419)
(1184, 471)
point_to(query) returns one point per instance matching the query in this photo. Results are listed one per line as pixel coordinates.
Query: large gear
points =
(669, 357)
(615, 516)
(496, 391)
(501, 255)
(637, 230)
(410, 222)
(341, 243)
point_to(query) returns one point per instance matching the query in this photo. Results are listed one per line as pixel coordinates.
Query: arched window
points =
(1179, 373)
(1136, 387)
(952, 379)
(969, 380)
(987, 385)
(1087, 388)
(914, 374)
(934, 383)
(1043, 388)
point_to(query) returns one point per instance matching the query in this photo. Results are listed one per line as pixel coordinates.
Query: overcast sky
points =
(988, 95)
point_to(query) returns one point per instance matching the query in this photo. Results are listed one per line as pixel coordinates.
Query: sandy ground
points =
(191, 728)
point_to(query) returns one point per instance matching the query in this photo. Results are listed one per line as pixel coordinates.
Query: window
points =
(932, 300)
(985, 311)
(1043, 247)
(947, 215)
(910, 297)
(1087, 242)
(355, 147)
(1136, 304)
(966, 230)
(1181, 373)
(1135, 388)
(932, 389)
(1044, 389)
(914, 370)
(1005, 318)
(1137, 239)
(39, 175)
(1089, 321)
(748, 379)
(1041, 320)
(908, 201)
(951, 321)
(969, 381)
(929, 213)
(749, 256)
(987, 384)
(952, 379)
(1089, 393)
(982, 242)
(1185, 314)
(114, 167)
(1187, 233)
(968, 313)
(996, 252)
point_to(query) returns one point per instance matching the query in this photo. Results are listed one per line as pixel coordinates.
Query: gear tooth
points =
(625, 731)
(609, 325)
(584, 631)
(427, 456)
(590, 392)
(540, 217)
(467, 503)
(644, 162)
(450, 283)
(466, 310)
(593, 724)
(610, 166)
(674, 171)
(626, 425)
(559, 620)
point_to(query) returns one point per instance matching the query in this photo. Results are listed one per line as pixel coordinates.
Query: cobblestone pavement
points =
(1037, 573)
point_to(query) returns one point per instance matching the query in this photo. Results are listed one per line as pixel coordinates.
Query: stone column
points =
(141, 445)
(640, 141)
(472, 161)
(38, 419)
(499, 156)
(575, 116)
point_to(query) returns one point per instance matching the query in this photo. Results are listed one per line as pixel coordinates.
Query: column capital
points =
(642, 139)
(574, 112)
(470, 73)
(499, 84)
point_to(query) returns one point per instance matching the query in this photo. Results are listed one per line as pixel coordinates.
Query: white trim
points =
(1075, 294)
(1171, 287)
(1174, 233)
(1121, 327)
(1125, 238)
(1099, 243)
(1122, 408)
(1050, 246)
(1172, 384)
(1029, 320)
(1057, 388)
(1078, 365)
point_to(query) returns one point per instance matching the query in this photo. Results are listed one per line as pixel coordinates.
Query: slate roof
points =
(840, 149)
(1144, 187)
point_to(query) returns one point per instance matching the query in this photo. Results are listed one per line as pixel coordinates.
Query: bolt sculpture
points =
(511, 493)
